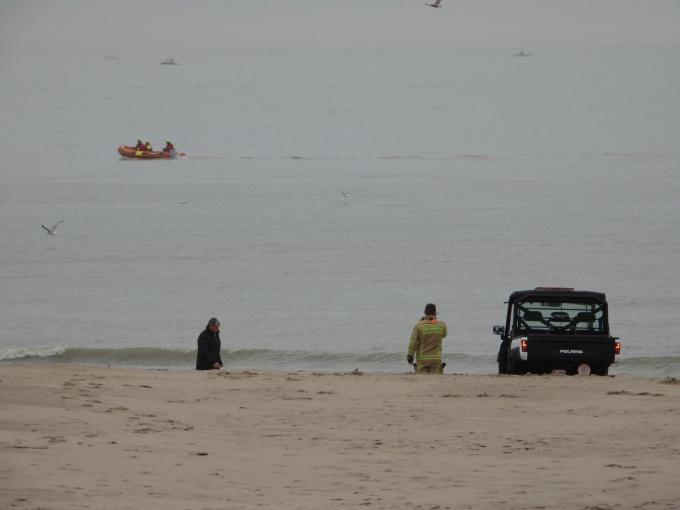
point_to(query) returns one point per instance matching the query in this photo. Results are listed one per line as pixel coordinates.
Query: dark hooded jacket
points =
(209, 347)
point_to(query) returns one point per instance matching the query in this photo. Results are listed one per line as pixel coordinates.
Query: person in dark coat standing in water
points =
(209, 356)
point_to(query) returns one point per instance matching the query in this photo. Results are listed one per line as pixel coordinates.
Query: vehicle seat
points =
(532, 316)
(584, 317)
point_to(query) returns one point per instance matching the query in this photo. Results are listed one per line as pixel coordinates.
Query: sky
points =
(109, 26)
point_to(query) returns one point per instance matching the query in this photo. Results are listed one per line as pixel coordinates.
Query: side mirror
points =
(499, 330)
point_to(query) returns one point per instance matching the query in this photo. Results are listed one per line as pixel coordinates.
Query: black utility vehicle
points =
(556, 330)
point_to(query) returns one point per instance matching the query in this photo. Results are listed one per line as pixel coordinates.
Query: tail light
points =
(617, 348)
(524, 344)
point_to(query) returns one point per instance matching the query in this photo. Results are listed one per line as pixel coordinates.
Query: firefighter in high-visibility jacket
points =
(426, 343)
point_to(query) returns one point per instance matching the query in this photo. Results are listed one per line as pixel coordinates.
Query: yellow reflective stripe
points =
(430, 356)
(430, 329)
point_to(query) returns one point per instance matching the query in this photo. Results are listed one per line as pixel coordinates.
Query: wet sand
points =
(87, 437)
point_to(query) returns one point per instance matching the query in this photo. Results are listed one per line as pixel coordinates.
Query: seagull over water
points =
(436, 4)
(52, 230)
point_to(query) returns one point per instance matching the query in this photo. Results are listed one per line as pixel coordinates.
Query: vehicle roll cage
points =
(565, 322)
(514, 319)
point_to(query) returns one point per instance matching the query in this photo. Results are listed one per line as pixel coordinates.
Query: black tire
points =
(503, 361)
(601, 371)
(517, 367)
(503, 367)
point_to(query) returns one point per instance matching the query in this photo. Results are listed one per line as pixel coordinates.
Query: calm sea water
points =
(472, 174)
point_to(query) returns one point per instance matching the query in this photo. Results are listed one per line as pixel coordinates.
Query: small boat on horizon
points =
(169, 62)
(522, 54)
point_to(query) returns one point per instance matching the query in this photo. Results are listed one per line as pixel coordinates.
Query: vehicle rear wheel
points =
(502, 358)
(601, 371)
(503, 364)
(517, 367)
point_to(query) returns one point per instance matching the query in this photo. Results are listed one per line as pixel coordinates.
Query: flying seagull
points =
(436, 4)
(345, 194)
(53, 228)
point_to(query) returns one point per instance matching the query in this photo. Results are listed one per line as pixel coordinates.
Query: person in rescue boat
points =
(147, 146)
(426, 343)
(141, 146)
(209, 356)
(169, 147)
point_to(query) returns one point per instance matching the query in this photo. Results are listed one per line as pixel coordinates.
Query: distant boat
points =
(169, 62)
(436, 4)
(522, 54)
(111, 56)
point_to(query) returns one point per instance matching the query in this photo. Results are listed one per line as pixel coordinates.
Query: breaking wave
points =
(652, 366)
(30, 352)
(243, 358)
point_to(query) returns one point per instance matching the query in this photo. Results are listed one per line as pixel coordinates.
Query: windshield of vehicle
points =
(560, 317)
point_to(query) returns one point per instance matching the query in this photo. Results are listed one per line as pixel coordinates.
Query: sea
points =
(469, 173)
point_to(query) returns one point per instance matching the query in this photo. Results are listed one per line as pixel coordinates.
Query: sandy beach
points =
(75, 436)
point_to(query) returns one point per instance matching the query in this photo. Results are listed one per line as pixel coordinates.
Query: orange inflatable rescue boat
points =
(131, 152)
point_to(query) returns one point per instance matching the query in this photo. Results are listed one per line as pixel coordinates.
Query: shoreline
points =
(268, 359)
(88, 436)
(235, 370)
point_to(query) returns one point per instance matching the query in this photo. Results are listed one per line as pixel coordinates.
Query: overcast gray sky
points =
(173, 24)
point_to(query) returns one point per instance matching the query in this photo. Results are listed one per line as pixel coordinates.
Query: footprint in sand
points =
(55, 439)
(25, 447)
(624, 479)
